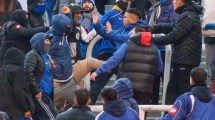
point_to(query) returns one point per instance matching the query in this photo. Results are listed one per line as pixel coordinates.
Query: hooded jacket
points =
(6, 17)
(60, 49)
(117, 110)
(184, 34)
(14, 87)
(17, 34)
(34, 64)
(113, 40)
(203, 107)
(124, 89)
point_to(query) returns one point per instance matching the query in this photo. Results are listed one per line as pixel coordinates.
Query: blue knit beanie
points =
(92, 1)
(124, 88)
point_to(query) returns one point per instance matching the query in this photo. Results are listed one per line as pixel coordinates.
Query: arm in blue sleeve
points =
(49, 5)
(114, 60)
(114, 35)
(101, 30)
(105, 18)
(210, 26)
(160, 64)
(180, 109)
(119, 37)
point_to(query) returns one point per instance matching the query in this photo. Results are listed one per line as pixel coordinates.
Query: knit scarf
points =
(87, 21)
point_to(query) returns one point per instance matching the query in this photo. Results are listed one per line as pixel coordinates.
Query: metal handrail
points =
(142, 109)
(89, 54)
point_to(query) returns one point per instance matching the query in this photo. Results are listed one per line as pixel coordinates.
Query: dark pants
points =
(179, 82)
(100, 5)
(44, 109)
(142, 98)
(36, 21)
(156, 88)
(101, 80)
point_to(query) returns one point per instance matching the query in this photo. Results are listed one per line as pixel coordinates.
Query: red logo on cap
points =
(173, 110)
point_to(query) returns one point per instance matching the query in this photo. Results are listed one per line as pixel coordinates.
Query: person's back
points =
(198, 104)
(114, 109)
(124, 89)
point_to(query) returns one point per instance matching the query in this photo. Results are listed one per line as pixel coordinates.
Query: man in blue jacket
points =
(115, 109)
(115, 38)
(197, 104)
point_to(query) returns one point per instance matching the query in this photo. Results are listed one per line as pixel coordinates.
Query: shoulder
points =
(102, 115)
(132, 113)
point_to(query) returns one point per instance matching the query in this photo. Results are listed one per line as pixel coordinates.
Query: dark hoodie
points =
(202, 92)
(60, 49)
(13, 85)
(124, 89)
(117, 110)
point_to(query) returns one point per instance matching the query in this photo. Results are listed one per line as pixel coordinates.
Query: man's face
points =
(88, 6)
(127, 19)
(177, 3)
(77, 17)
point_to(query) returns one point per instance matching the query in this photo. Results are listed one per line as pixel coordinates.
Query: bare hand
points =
(38, 96)
(52, 64)
(27, 114)
(95, 17)
(65, 10)
(93, 76)
(108, 27)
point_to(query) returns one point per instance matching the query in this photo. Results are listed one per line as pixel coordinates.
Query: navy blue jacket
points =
(60, 50)
(203, 107)
(117, 110)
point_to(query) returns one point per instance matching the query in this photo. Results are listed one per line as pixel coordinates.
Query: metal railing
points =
(142, 109)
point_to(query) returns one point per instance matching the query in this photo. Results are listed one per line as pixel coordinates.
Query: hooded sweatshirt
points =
(60, 50)
(37, 43)
(117, 110)
(124, 89)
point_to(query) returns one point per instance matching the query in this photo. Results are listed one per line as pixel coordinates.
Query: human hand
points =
(27, 114)
(39, 95)
(95, 17)
(108, 27)
(52, 64)
(93, 76)
(65, 10)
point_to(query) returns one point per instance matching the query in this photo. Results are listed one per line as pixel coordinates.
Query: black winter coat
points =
(15, 99)
(19, 37)
(34, 66)
(78, 112)
(185, 35)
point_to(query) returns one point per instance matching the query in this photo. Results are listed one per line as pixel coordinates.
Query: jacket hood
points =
(60, 24)
(20, 17)
(202, 93)
(115, 107)
(37, 41)
(14, 56)
(143, 38)
(190, 6)
(123, 88)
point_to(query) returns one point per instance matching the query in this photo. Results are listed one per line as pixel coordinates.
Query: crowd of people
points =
(42, 64)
